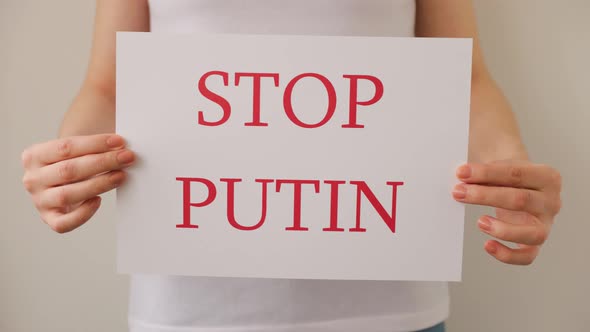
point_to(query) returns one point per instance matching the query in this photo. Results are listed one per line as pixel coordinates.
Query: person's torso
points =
(166, 303)
(313, 17)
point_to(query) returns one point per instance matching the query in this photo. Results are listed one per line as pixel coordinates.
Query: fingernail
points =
(117, 178)
(115, 141)
(125, 157)
(485, 224)
(460, 191)
(464, 172)
(491, 247)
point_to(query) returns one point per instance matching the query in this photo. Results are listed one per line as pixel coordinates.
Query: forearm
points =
(91, 112)
(493, 133)
(93, 109)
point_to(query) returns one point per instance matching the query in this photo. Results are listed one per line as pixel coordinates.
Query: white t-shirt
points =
(196, 304)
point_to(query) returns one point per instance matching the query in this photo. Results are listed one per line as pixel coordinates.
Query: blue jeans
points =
(437, 328)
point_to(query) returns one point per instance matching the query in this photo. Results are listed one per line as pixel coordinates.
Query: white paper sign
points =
(292, 156)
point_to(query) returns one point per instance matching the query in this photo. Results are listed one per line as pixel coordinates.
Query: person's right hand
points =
(65, 176)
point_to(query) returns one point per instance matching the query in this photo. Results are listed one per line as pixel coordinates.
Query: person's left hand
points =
(526, 197)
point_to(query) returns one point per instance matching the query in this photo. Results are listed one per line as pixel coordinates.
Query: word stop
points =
(226, 107)
(362, 190)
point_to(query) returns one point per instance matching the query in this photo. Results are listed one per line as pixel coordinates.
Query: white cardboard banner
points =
(292, 156)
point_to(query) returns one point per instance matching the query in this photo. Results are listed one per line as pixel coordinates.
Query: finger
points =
(70, 147)
(84, 167)
(522, 256)
(514, 199)
(62, 196)
(30, 182)
(529, 234)
(63, 223)
(521, 175)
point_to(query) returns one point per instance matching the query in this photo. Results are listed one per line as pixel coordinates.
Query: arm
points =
(93, 109)
(494, 133)
(526, 195)
(66, 176)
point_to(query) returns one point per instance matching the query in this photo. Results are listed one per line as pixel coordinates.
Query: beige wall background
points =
(538, 50)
